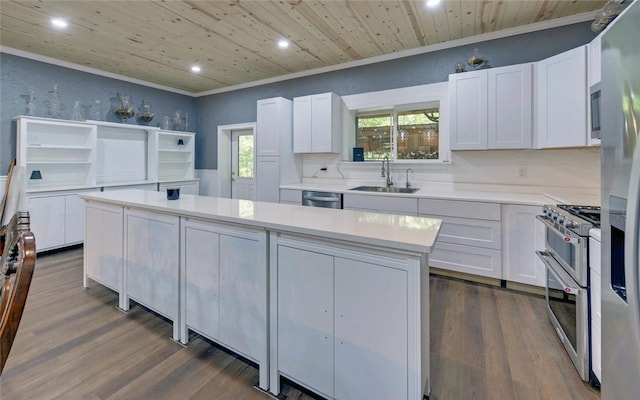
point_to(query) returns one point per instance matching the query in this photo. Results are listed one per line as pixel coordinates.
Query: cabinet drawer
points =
(470, 232)
(460, 209)
(291, 196)
(467, 259)
(383, 204)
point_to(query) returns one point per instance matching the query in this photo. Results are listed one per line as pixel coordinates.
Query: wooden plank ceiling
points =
(235, 42)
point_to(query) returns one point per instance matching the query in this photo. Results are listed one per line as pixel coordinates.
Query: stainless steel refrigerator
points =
(620, 127)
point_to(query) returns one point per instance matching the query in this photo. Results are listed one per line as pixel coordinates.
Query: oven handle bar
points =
(556, 269)
(569, 237)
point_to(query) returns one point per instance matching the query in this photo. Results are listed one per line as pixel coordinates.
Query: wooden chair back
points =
(18, 249)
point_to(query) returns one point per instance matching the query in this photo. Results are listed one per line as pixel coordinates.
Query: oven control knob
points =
(570, 224)
(560, 219)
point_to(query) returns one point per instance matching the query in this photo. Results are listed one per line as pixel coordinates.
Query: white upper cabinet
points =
(468, 110)
(491, 109)
(561, 100)
(273, 132)
(317, 123)
(510, 116)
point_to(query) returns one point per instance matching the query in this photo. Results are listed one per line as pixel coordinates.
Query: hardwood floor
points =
(486, 343)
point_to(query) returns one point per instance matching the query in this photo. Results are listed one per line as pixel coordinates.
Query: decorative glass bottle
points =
(145, 112)
(54, 104)
(124, 110)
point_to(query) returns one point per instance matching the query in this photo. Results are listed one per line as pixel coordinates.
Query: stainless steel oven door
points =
(567, 306)
(569, 249)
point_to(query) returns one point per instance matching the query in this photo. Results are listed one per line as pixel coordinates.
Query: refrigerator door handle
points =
(631, 247)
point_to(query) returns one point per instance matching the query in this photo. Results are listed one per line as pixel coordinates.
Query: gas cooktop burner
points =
(589, 213)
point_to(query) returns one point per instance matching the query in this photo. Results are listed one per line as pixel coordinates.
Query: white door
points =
(242, 164)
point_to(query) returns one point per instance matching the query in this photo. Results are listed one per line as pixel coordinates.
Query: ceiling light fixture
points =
(195, 68)
(283, 43)
(60, 23)
(432, 3)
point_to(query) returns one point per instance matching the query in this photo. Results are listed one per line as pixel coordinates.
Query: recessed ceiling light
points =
(283, 43)
(195, 68)
(432, 3)
(59, 23)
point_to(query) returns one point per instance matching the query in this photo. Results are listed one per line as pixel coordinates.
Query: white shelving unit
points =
(175, 155)
(56, 153)
(64, 158)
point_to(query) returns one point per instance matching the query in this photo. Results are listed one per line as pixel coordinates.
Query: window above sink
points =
(407, 125)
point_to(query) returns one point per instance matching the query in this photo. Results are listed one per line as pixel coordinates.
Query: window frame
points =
(393, 113)
(398, 100)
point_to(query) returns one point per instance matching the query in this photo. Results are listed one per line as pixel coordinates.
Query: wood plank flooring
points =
(486, 343)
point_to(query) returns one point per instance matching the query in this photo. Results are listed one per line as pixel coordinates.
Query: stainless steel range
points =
(567, 291)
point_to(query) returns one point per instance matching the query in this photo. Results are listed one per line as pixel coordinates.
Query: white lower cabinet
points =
(470, 237)
(291, 196)
(103, 250)
(151, 250)
(225, 288)
(523, 236)
(347, 324)
(57, 220)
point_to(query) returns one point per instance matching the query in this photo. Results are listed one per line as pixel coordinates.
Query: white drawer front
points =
(461, 209)
(470, 232)
(467, 259)
(291, 196)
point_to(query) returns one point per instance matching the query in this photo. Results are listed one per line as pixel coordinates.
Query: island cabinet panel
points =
(151, 262)
(243, 295)
(224, 298)
(305, 318)
(103, 260)
(348, 324)
(371, 332)
(202, 280)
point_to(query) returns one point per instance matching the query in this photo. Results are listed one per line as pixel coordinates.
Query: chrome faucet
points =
(408, 184)
(388, 172)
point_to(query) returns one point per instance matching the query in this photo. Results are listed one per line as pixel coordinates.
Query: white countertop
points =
(415, 234)
(505, 194)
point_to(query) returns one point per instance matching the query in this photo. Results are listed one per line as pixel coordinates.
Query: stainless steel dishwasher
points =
(321, 199)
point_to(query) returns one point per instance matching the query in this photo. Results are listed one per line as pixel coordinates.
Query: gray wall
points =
(18, 74)
(240, 106)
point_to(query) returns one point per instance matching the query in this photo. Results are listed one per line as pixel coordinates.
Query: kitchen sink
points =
(384, 189)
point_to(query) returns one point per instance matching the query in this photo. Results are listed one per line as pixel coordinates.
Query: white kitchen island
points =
(335, 300)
